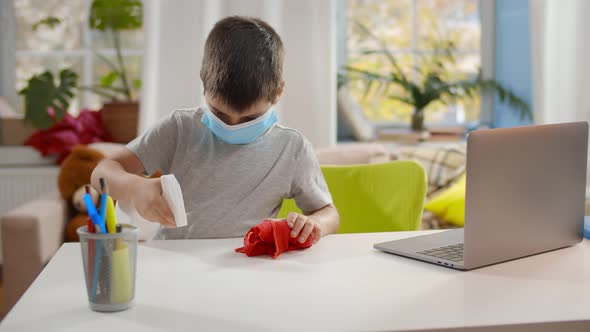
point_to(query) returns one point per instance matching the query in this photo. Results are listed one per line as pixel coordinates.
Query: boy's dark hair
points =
(242, 62)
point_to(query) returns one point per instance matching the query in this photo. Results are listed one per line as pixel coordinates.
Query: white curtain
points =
(560, 52)
(176, 31)
(7, 53)
(560, 40)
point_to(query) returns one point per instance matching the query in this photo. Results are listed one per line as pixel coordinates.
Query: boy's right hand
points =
(150, 204)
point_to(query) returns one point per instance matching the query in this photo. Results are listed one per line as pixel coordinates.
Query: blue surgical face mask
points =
(243, 133)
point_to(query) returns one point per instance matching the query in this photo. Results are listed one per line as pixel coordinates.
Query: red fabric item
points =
(62, 137)
(271, 238)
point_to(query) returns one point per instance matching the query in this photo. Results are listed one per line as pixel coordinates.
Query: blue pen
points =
(95, 217)
(93, 214)
(96, 267)
(103, 208)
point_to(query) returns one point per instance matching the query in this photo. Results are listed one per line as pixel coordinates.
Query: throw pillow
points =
(450, 204)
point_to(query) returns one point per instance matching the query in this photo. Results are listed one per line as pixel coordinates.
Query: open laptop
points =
(525, 195)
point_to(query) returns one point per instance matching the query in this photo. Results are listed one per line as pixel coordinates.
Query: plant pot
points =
(418, 120)
(120, 120)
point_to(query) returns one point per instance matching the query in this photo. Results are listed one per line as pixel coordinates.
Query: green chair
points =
(375, 197)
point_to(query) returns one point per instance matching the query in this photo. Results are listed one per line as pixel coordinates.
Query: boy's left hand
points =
(303, 227)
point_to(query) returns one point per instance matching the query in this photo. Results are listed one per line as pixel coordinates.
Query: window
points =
(70, 44)
(410, 28)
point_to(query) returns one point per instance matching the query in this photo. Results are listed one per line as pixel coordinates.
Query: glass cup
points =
(109, 267)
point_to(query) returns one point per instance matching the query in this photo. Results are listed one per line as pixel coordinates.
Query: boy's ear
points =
(280, 93)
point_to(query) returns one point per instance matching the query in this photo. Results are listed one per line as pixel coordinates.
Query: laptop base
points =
(411, 247)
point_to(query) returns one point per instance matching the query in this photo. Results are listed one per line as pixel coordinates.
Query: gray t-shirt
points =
(229, 188)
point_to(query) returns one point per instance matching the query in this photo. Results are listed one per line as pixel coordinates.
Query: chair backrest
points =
(375, 197)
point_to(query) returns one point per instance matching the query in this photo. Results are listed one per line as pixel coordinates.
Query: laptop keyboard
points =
(452, 253)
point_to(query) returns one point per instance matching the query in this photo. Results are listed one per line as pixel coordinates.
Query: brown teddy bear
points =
(74, 175)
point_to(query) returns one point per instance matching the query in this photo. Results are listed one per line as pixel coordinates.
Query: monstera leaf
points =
(42, 93)
(116, 15)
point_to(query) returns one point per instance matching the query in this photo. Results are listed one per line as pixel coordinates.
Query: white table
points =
(342, 283)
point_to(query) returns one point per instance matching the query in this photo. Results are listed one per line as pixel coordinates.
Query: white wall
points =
(7, 53)
(560, 52)
(175, 34)
(560, 35)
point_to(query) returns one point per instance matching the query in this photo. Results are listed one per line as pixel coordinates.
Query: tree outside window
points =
(411, 30)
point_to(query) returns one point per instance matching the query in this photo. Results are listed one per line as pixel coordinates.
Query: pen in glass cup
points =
(109, 216)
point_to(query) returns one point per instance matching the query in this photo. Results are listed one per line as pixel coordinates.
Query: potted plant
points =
(120, 110)
(433, 85)
(46, 104)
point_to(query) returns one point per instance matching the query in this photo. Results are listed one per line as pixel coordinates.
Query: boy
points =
(234, 163)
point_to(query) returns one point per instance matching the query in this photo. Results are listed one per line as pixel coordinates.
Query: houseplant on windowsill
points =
(434, 84)
(120, 108)
(120, 112)
(46, 109)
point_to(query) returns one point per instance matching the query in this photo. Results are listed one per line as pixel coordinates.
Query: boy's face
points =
(232, 117)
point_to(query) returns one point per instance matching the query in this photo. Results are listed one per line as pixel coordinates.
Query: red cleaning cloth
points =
(271, 238)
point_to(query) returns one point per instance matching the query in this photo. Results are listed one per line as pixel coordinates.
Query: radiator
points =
(19, 185)
(24, 176)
